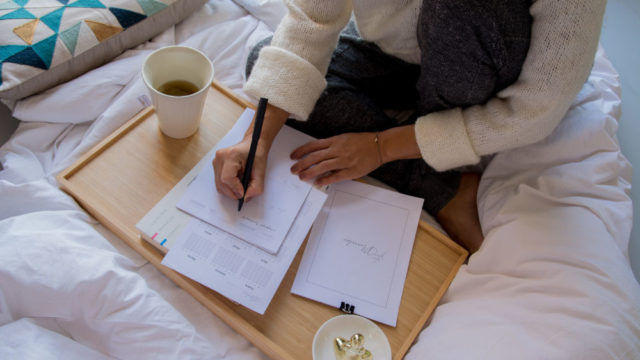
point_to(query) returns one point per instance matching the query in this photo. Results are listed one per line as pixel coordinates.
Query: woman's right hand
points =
(229, 163)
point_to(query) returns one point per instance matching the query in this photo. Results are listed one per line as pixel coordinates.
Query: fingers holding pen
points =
(229, 163)
(226, 169)
(229, 166)
(256, 183)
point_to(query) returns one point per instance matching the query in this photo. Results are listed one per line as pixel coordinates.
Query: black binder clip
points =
(346, 308)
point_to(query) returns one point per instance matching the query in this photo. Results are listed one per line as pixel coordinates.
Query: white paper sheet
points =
(359, 250)
(265, 220)
(164, 222)
(235, 269)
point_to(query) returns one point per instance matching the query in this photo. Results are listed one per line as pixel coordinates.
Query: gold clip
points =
(352, 349)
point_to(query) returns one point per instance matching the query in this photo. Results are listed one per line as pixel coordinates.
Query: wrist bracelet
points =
(377, 141)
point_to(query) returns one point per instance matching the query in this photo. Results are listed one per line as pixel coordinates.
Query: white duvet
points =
(551, 281)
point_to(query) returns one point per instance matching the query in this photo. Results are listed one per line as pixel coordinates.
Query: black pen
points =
(257, 128)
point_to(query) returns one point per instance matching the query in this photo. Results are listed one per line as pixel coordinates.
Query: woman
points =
(475, 78)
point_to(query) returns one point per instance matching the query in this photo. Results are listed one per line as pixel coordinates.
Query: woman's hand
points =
(229, 165)
(342, 157)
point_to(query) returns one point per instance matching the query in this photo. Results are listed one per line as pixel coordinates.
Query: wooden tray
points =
(125, 175)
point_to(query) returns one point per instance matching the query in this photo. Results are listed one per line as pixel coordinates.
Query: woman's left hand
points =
(342, 157)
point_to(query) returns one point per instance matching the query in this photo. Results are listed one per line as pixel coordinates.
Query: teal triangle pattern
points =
(70, 37)
(125, 17)
(7, 51)
(87, 4)
(18, 14)
(8, 5)
(53, 19)
(151, 7)
(27, 57)
(45, 48)
(22, 3)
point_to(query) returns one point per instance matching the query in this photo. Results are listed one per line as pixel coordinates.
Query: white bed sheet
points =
(551, 281)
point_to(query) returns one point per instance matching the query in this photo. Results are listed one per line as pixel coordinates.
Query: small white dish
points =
(344, 326)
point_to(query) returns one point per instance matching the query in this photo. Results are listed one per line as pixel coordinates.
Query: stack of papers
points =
(265, 220)
(358, 251)
(241, 255)
(234, 268)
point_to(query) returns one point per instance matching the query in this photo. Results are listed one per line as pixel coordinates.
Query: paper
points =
(235, 269)
(164, 222)
(359, 250)
(265, 220)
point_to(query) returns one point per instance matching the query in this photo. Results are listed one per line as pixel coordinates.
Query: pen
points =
(257, 128)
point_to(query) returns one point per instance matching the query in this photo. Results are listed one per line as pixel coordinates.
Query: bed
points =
(551, 281)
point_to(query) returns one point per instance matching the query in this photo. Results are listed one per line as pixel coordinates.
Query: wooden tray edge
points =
(462, 256)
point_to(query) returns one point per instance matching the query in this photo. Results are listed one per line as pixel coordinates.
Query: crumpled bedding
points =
(551, 281)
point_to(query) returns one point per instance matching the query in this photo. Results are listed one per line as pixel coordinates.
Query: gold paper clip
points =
(352, 349)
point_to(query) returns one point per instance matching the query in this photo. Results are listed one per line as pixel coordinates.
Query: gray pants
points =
(471, 49)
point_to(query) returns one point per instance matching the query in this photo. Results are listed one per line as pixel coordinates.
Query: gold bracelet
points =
(377, 141)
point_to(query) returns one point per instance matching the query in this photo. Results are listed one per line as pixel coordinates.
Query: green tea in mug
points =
(178, 88)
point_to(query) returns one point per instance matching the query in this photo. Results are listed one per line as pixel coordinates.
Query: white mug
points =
(178, 115)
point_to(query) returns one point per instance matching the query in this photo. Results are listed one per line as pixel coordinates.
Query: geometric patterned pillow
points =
(45, 42)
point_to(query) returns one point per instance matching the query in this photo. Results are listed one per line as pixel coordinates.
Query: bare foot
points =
(459, 217)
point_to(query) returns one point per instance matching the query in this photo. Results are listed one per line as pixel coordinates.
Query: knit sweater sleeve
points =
(564, 39)
(291, 71)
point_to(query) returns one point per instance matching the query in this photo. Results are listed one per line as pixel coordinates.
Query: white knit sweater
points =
(564, 38)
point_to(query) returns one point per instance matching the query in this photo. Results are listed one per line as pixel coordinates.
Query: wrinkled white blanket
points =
(551, 281)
